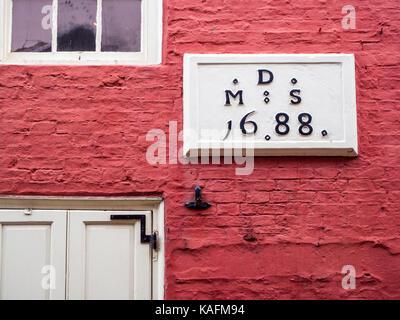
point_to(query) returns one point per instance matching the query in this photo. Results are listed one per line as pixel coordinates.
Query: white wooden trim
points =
(5, 28)
(1, 245)
(7, 45)
(99, 24)
(54, 26)
(2, 28)
(67, 239)
(154, 204)
(159, 255)
(151, 50)
(80, 203)
(155, 31)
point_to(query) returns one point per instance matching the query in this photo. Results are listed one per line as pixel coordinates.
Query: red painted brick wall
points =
(285, 231)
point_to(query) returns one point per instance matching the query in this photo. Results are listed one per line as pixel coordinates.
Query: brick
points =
(283, 232)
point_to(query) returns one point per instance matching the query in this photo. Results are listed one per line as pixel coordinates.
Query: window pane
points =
(31, 26)
(121, 29)
(76, 25)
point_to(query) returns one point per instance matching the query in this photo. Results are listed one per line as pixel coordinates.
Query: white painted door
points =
(106, 258)
(32, 254)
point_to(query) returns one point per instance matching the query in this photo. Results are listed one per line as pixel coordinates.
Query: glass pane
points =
(76, 25)
(31, 26)
(121, 29)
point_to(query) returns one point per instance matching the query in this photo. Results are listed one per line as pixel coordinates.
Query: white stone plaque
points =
(276, 104)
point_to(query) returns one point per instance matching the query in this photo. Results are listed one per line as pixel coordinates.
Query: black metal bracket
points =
(197, 204)
(144, 238)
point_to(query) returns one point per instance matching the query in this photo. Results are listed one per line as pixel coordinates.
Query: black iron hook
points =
(197, 204)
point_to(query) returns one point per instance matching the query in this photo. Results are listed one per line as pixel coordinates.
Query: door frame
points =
(154, 204)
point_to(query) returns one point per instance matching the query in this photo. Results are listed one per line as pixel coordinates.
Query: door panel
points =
(109, 275)
(106, 258)
(32, 249)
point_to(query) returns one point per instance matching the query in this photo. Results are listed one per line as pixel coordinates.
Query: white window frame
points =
(151, 42)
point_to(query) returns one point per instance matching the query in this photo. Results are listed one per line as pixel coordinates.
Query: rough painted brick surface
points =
(285, 231)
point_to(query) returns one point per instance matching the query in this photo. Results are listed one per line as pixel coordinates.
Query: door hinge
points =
(144, 238)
